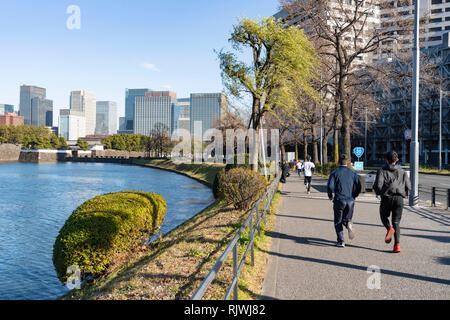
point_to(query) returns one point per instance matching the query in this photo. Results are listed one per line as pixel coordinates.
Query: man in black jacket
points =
(343, 187)
(393, 185)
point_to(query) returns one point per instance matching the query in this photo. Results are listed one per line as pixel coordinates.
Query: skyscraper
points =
(207, 108)
(106, 117)
(41, 112)
(34, 106)
(84, 102)
(157, 110)
(130, 96)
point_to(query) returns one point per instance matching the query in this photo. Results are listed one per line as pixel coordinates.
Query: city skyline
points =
(93, 58)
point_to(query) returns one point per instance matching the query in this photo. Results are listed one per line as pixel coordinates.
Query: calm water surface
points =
(36, 200)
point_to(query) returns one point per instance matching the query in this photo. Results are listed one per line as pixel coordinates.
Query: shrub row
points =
(106, 228)
(327, 168)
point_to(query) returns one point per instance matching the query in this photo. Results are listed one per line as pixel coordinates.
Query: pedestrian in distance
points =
(343, 187)
(308, 170)
(392, 185)
(284, 171)
(299, 166)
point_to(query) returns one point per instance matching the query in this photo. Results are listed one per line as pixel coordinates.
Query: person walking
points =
(393, 185)
(299, 166)
(308, 169)
(343, 188)
(284, 171)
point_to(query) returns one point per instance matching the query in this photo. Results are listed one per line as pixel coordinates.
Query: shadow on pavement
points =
(435, 238)
(360, 223)
(362, 268)
(443, 260)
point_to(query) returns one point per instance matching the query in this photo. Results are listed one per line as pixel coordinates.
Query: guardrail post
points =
(448, 199)
(433, 196)
(252, 237)
(235, 270)
(259, 219)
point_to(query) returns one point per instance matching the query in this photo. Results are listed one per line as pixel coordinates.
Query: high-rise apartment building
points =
(157, 110)
(4, 108)
(85, 103)
(34, 107)
(206, 108)
(130, 98)
(106, 117)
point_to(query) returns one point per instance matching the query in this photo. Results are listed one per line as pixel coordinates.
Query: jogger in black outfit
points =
(393, 185)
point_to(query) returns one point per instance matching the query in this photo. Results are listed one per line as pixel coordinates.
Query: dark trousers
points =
(299, 171)
(308, 180)
(343, 214)
(392, 206)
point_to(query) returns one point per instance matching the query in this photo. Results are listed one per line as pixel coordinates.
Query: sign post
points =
(359, 152)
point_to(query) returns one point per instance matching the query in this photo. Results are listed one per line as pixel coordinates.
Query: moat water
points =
(37, 199)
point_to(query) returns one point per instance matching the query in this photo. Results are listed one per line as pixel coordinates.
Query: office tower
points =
(72, 124)
(41, 112)
(156, 111)
(122, 124)
(184, 121)
(130, 96)
(84, 102)
(207, 108)
(11, 119)
(34, 96)
(106, 117)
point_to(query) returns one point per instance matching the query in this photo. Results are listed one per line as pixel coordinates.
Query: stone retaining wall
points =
(39, 156)
(9, 152)
(117, 154)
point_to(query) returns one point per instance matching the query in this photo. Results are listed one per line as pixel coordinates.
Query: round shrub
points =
(241, 187)
(106, 228)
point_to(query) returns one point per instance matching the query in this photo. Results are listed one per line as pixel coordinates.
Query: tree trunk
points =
(305, 146)
(256, 120)
(336, 145)
(283, 152)
(314, 142)
(325, 148)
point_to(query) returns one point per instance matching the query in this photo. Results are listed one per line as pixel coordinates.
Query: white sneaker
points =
(351, 231)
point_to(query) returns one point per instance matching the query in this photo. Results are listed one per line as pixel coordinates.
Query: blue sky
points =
(121, 44)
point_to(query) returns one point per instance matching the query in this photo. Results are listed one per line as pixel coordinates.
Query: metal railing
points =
(261, 215)
(436, 192)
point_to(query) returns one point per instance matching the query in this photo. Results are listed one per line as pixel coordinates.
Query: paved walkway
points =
(304, 263)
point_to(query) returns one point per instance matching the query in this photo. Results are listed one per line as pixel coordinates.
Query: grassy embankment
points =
(174, 267)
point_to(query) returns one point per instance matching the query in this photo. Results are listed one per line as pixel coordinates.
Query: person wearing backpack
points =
(393, 185)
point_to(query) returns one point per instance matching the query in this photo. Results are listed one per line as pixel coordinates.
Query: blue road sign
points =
(359, 166)
(358, 152)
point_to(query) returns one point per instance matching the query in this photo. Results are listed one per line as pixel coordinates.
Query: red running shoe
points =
(389, 235)
(397, 248)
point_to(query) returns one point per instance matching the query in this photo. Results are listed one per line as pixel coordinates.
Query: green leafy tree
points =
(83, 144)
(282, 59)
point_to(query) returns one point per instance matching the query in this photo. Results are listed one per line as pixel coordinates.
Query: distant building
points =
(122, 124)
(34, 107)
(11, 119)
(41, 112)
(184, 120)
(4, 108)
(130, 98)
(207, 108)
(84, 102)
(72, 124)
(106, 118)
(157, 110)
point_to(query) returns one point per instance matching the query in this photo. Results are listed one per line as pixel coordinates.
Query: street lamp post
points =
(321, 136)
(440, 130)
(414, 196)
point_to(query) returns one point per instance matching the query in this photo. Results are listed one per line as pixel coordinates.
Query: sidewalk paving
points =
(304, 263)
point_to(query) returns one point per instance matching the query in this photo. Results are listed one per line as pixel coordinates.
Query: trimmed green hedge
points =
(104, 229)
